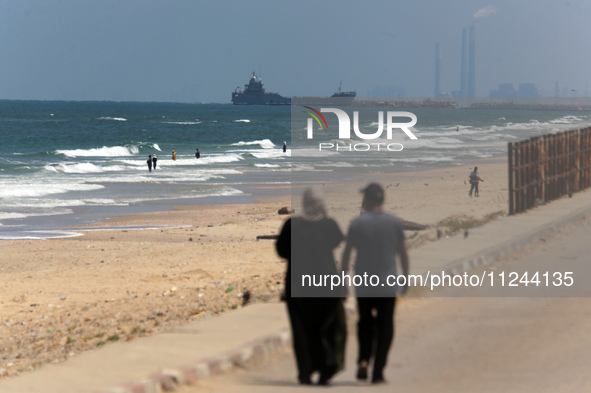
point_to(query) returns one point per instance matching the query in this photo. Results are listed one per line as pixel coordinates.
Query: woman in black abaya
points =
(316, 313)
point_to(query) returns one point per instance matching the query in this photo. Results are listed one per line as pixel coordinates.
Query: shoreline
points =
(61, 225)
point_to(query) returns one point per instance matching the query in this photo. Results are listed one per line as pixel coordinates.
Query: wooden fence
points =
(548, 167)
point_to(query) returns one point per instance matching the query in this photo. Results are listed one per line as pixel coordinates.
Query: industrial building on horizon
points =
(468, 76)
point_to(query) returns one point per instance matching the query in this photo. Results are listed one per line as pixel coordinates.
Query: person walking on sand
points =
(154, 160)
(378, 238)
(317, 317)
(474, 179)
(197, 153)
(174, 155)
(149, 162)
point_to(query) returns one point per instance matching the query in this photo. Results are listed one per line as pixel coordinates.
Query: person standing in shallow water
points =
(149, 162)
(284, 147)
(197, 154)
(174, 155)
(154, 160)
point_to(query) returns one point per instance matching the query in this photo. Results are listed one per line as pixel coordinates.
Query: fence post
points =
(510, 161)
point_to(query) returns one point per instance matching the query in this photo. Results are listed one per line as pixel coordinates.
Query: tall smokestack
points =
(464, 69)
(437, 71)
(472, 64)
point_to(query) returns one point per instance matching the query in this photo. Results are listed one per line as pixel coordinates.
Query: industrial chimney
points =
(437, 71)
(472, 64)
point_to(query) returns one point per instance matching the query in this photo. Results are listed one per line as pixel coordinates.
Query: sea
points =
(64, 165)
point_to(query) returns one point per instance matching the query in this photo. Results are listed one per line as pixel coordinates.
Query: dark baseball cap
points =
(374, 193)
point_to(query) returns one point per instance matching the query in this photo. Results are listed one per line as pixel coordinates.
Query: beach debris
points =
(245, 297)
(412, 226)
(190, 239)
(272, 237)
(230, 289)
(283, 210)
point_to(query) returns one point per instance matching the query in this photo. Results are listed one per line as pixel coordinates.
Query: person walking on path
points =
(474, 179)
(378, 238)
(154, 160)
(317, 318)
(149, 162)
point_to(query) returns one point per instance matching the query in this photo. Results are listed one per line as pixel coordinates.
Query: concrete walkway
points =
(206, 347)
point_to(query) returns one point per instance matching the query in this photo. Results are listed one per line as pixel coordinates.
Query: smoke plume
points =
(485, 12)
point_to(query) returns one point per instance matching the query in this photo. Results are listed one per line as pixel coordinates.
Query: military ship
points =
(254, 94)
(344, 94)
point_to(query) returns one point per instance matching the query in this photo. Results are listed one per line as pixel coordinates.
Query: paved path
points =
(485, 345)
(203, 348)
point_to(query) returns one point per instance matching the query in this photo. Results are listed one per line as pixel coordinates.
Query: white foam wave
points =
(37, 235)
(155, 146)
(270, 154)
(425, 159)
(183, 123)
(264, 143)
(242, 121)
(43, 189)
(267, 165)
(105, 151)
(307, 168)
(566, 120)
(113, 118)
(337, 164)
(10, 216)
(217, 159)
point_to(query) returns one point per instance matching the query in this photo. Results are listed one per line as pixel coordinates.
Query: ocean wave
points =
(84, 167)
(36, 235)
(113, 118)
(267, 166)
(11, 216)
(218, 159)
(262, 154)
(183, 123)
(566, 120)
(43, 189)
(338, 164)
(242, 121)
(264, 143)
(105, 151)
(155, 146)
(424, 159)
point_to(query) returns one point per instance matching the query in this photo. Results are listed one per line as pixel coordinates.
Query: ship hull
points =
(259, 99)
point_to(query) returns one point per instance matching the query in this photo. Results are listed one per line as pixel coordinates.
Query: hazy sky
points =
(200, 51)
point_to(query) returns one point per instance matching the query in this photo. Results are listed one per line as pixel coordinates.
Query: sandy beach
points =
(64, 296)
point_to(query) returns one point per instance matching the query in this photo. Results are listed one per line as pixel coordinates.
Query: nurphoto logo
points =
(344, 122)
